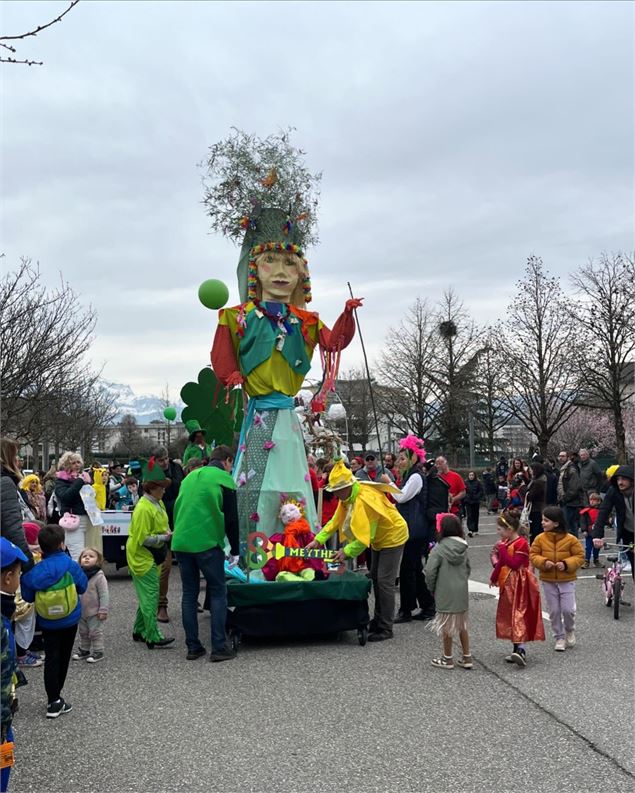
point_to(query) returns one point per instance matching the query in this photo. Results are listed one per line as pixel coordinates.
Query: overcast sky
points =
(455, 139)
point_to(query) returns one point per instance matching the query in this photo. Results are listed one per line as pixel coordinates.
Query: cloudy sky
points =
(455, 140)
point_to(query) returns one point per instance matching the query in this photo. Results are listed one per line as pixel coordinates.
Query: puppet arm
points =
(343, 331)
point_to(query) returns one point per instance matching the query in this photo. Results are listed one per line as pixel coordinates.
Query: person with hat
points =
(366, 518)
(619, 497)
(197, 447)
(146, 548)
(12, 560)
(372, 472)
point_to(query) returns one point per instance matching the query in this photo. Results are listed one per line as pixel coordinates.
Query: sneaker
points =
(226, 654)
(597, 563)
(470, 534)
(509, 660)
(518, 657)
(443, 662)
(94, 657)
(586, 564)
(29, 661)
(403, 616)
(627, 567)
(560, 646)
(570, 639)
(57, 708)
(424, 616)
(465, 662)
(80, 655)
(192, 655)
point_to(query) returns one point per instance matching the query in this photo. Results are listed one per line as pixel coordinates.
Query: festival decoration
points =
(213, 294)
(169, 413)
(415, 446)
(205, 402)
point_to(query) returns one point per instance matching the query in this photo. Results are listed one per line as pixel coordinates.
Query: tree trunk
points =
(620, 434)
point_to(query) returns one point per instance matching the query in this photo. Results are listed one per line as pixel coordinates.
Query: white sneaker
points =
(570, 639)
(560, 646)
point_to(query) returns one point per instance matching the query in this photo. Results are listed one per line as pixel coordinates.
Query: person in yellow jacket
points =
(365, 518)
(558, 555)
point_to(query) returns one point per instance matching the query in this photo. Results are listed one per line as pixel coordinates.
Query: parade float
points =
(260, 195)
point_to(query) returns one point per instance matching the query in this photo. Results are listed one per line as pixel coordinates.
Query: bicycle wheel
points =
(617, 594)
(608, 597)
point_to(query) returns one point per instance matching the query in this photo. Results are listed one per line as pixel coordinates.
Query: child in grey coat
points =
(95, 603)
(447, 573)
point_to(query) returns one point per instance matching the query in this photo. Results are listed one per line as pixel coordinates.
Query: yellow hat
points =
(340, 477)
(610, 471)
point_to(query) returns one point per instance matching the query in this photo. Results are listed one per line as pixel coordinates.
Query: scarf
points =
(89, 572)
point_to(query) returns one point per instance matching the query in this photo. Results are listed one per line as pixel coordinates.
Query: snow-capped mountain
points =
(144, 408)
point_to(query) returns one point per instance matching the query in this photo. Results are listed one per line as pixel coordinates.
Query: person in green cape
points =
(145, 549)
(197, 447)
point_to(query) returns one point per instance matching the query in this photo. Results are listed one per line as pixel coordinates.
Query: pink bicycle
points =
(612, 581)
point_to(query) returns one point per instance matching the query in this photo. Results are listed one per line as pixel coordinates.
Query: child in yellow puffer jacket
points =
(558, 555)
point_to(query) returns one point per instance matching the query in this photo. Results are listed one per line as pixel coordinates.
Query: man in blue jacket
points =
(54, 585)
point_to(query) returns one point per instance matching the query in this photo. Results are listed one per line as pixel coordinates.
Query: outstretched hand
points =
(235, 378)
(353, 303)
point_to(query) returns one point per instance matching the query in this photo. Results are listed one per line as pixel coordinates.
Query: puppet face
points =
(279, 275)
(289, 513)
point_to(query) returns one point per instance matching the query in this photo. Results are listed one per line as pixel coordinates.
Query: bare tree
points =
(354, 394)
(490, 411)
(44, 334)
(406, 393)
(21, 36)
(131, 441)
(453, 373)
(605, 325)
(541, 377)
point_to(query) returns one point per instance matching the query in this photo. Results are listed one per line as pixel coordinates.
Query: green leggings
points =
(147, 589)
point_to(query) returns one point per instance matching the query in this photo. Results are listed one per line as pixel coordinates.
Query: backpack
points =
(59, 600)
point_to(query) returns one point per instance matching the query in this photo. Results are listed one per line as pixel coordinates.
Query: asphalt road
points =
(328, 715)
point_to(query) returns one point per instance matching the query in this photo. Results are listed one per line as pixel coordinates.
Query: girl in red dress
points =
(519, 615)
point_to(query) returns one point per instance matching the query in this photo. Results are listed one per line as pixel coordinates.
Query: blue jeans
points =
(212, 564)
(572, 519)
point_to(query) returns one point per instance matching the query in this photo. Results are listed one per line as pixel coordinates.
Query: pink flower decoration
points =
(242, 448)
(254, 517)
(242, 479)
(283, 497)
(307, 477)
(268, 445)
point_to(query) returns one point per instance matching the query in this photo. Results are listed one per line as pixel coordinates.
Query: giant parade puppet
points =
(259, 192)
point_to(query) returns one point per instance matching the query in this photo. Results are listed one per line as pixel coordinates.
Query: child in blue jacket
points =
(54, 585)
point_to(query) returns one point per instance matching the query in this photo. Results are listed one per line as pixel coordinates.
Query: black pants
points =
(472, 511)
(58, 646)
(412, 582)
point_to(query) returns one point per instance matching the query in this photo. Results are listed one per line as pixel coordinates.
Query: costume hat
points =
(153, 472)
(340, 477)
(192, 426)
(268, 229)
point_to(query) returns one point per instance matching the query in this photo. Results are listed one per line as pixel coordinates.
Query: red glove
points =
(353, 303)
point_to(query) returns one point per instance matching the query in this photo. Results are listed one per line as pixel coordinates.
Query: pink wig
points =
(414, 445)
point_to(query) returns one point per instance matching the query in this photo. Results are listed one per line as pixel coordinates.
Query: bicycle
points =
(612, 581)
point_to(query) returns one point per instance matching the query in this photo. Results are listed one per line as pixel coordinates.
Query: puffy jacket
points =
(447, 573)
(67, 494)
(44, 575)
(11, 518)
(615, 500)
(557, 546)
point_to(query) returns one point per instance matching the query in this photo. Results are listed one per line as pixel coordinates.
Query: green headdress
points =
(152, 472)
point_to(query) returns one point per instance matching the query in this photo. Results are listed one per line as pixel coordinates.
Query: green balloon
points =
(169, 414)
(213, 293)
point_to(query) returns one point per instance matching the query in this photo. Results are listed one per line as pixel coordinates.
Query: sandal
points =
(465, 662)
(443, 662)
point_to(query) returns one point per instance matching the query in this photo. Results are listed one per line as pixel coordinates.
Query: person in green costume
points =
(197, 447)
(147, 541)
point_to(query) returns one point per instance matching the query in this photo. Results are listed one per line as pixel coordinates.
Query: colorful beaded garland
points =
(252, 272)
